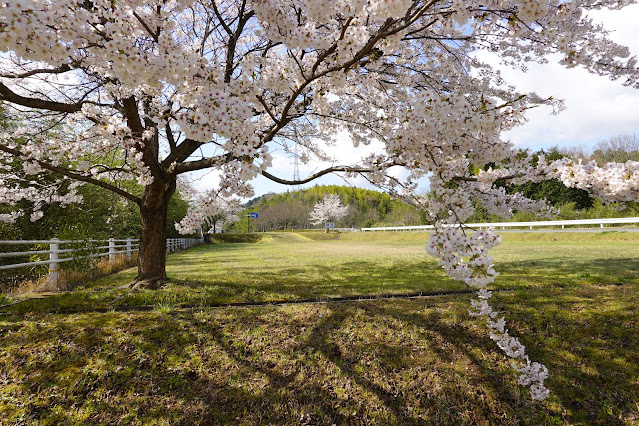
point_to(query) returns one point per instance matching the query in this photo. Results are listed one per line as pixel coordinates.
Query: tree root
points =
(148, 284)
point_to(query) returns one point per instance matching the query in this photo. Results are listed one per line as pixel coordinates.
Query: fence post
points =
(111, 250)
(601, 225)
(54, 266)
(128, 248)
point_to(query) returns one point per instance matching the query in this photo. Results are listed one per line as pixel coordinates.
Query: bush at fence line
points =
(71, 278)
(235, 238)
(101, 267)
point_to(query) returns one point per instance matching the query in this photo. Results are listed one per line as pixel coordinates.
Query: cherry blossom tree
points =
(215, 224)
(328, 209)
(208, 211)
(154, 89)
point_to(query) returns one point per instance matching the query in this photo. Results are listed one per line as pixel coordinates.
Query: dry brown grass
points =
(69, 279)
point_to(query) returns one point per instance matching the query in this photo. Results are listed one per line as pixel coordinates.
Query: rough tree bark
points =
(152, 254)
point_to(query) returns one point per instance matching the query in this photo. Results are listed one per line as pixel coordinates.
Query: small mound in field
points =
(321, 236)
(235, 238)
(283, 237)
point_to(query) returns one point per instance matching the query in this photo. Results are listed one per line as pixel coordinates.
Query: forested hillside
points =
(291, 210)
(368, 208)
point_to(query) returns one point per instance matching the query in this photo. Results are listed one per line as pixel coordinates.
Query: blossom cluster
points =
(533, 374)
(205, 206)
(614, 182)
(465, 258)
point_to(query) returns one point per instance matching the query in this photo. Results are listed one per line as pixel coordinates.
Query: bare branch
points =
(59, 70)
(316, 175)
(7, 95)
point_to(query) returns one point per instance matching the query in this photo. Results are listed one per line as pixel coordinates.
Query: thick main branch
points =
(316, 175)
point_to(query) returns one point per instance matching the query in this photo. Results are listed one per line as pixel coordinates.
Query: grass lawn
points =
(572, 301)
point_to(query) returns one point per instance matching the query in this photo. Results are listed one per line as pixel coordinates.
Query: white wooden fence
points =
(81, 250)
(504, 225)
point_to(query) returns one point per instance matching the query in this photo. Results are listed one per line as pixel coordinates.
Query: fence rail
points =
(100, 248)
(504, 225)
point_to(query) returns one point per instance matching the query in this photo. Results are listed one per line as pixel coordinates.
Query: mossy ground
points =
(418, 361)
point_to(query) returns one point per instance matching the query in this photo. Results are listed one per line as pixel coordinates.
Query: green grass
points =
(420, 361)
(277, 267)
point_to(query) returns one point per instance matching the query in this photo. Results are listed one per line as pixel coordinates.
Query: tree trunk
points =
(152, 255)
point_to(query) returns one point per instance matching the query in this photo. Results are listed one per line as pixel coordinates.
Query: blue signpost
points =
(252, 216)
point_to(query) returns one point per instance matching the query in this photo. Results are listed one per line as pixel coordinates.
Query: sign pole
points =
(248, 216)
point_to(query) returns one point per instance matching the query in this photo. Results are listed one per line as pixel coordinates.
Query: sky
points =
(596, 109)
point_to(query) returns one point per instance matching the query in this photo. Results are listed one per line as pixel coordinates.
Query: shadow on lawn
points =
(399, 362)
(570, 270)
(260, 284)
(92, 366)
(369, 274)
(247, 284)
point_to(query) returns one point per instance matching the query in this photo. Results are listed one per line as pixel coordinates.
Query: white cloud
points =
(596, 107)
(204, 180)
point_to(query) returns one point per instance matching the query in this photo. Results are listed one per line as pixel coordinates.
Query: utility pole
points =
(296, 169)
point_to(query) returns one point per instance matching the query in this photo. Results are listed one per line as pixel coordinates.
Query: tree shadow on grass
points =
(599, 266)
(349, 278)
(249, 284)
(402, 362)
(567, 272)
(587, 338)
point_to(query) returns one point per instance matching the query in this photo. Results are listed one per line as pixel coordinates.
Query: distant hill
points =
(290, 210)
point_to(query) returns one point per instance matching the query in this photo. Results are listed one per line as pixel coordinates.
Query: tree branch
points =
(170, 138)
(76, 176)
(154, 35)
(316, 175)
(202, 164)
(181, 152)
(7, 95)
(474, 179)
(61, 69)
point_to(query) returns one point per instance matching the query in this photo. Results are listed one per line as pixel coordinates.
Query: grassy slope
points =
(401, 361)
